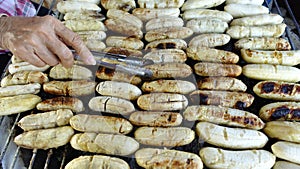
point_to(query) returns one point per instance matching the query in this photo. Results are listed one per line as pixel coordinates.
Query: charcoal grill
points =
(15, 157)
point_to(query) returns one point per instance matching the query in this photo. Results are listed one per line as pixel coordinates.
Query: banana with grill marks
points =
(286, 164)
(222, 83)
(242, 10)
(166, 55)
(24, 77)
(125, 16)
(123, 27)
(62, 102)
(71, 6)
(274, 129)
(257, 20)
(169, 86)
(207, 25)
(196, 4)
(160, 4)
(124, 42)
(217, 69)
(287, 151)
(146, 14)
(125, 5)
(167, 44)
(164, 22)
(206, 13)
(280, 111)
(254, 2)
(168, 33)
(263, 43)
(209, 40)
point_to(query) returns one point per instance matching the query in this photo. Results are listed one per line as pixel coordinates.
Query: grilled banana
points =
(85, 25)
(72, 6)
(224, 116)
(164, 158)
(257, 20)
(146, 14)
(57, 103)
(75, 72)
(112, 105)
(125, 16)
(277, 90)
(254, 2)
(162, 102)
(242, 10)
(83, 15)
(118, 89)
(222, 83)
(274, 129)
(263, 43)
(280, 111)
(196, 4)
(31, 88)
(206, 13)
(238, 32)
(125, 5)
(123, 27)
(25, 66)
(167, 44)
(125, 42)
(209, 40)
(155, 118)
(233, 138)
(207, 25)
(169, 86)
(160, 4)
(161, 136)
(220, 158)
(110, 144)
(123, 51)
(92, 35)
(286, 164)
(170, 70)
(168, 33)
(40, 139)
(24, 77)
(166, 55)
(288, 58)
(100, 124)
(164, 22)
(206, 54)
(272, 72)
(222, 98)
(46, 120)
(217, 69)
(287, 151)
(113, 75)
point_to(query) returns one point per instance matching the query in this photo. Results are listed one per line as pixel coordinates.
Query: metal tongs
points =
(119, 62)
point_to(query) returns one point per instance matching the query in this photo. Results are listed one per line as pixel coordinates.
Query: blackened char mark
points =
(296, 114)
(268, 87)
(280, 112)
(287, 89)
(203, 99)
(240, 105)
(168, 45)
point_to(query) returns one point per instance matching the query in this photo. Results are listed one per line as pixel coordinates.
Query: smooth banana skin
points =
(232, 138)
(207, 25)
(40, 139)
(239, 32)
(196, 4)
(125, 5)
(167, 44)
(274, 129)
(155, 118)
(263, 43)
(277, 90)
(45, 120)
(145, 14)
(124, 42)
(222, 83)
(287, 111)
(258, 20)
(221, 98)
(160, 4)
(125, 16)
(217, 69)
(101, 161)
(110, 144)
(168, 33)
(118, 89)
(161, 136)
(224, 116)
(112, 105)
(254, 2)
(72, 6)
(164, 22)
(288, 58)
(24, 77)
(287, 151)
(209, 40)
(168, 86)
(206, 13)
(56, 103)
(242, 10)
(166, 55)
(18, 103)
(100, 124)
(164, 158)
(206, 54)
(220, 158)
(271, 72)
(286, 164)
(162, 102)
(31, 88)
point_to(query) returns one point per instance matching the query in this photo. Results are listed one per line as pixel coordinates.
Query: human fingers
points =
(28, 55)
(46, 55)
(73, 40)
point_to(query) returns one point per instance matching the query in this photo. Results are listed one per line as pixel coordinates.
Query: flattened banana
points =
(71, 6)
(164, 22)
(168, 33)
(75, 72)
(217, 69)
(196, 4)
(207, 25)
(257, 20)
(57, 103)
(169, 86)
(263, 43)
(85, 25)
(286, 164)
(123, 27)
(167, 44)
(206, 13)
(287, 151)
(113, 75)
(166, 55)
(242, 10)
(233, 138)
(125, 16)
(254, 2)
(280, 111)
(160, 4)
(222, 83)
(208, 40)
(146, 14)
(125, 42)
(25, 66)
(274, 129)
(92, 35)
(125, 5)
(24, 77)
(272, 72)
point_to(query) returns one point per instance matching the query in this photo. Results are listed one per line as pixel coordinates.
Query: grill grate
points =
(10, 154)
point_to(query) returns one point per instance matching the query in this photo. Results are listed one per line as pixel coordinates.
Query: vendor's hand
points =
(42, 41)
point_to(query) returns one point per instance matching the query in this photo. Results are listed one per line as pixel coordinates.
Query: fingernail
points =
(91, 60)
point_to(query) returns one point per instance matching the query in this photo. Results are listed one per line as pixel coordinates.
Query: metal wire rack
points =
(10, 154)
